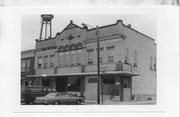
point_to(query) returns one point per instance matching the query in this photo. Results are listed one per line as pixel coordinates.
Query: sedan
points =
(57, 98)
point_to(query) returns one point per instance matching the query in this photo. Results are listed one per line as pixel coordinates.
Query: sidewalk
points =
(108, 102)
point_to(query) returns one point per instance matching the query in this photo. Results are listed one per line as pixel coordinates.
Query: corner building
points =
(68, 62)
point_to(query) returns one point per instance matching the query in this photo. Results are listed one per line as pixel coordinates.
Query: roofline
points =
(58, 33)
(37, 40)
(102, 26)
(29, 50)
(138, 32)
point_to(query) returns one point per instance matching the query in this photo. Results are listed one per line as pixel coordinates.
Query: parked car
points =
(31, 92)
(57, 98)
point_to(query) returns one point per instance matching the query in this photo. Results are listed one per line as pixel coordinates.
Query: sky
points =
(86, 2)
(30, 25)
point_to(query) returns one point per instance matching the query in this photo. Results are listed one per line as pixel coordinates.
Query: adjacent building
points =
(27, 67)
(68, 62)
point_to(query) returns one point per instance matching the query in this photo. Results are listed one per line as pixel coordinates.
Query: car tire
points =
(56, 103)
(78, 102)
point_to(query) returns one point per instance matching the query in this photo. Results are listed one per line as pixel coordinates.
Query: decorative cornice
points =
(117, 36)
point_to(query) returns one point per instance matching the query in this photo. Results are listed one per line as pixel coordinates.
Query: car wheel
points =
(56, 103)
(78, 102)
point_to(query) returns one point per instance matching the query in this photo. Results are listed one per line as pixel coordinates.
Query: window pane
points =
(39, 62)
(45, 61)
(52, 60)
(90, 57)
(110, 54)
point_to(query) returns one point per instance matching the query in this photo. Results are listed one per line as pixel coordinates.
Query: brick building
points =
(27, 66)
(68, 62)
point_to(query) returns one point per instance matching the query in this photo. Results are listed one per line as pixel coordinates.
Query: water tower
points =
(46, 21)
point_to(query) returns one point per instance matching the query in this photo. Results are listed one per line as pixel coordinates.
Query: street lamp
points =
(98, 65)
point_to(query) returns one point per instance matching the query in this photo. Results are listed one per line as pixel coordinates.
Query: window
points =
(92, 80)
(151, 63)
(27, 65)
(154, 63)
(39, 62)
(61, 59)
(45, 62)
(52, 60)
(46, 82)
(26, 83)
(74, 84)
(101, 56)
(90, 57)
(135, 59)
(67, 58)
(126, 84)
(127, 55)
(79, 55)
(110, 54)
(23, 65)
(109, 80)
(73, 58)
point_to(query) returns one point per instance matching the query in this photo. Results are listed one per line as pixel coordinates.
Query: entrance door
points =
(61, 84)
(127, 89)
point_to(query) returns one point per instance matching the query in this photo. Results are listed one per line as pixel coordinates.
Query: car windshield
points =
(51, 95)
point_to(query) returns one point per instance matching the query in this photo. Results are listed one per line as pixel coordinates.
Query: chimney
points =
(85, 27)
(119, 21)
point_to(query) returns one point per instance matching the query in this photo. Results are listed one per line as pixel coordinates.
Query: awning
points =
(86, 74)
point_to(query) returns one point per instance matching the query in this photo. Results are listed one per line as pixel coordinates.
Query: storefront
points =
(115, 86)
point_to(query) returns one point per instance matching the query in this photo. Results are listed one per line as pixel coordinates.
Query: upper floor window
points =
(39, 62)
(90, 56)
(45, 62)
(28, 65)
(67, 58)
(79, 56)
(151, 63)
(61, 58)
(52, 60)
(23, 65)
(110, 53)
(127, 55)
(73, 58)
(135, 58)
(154, 63)
(101, 56)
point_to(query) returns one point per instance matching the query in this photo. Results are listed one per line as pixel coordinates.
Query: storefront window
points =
(74, 84)
(109, 80)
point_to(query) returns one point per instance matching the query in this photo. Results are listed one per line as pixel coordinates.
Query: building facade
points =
(127, 59)
(27, 66)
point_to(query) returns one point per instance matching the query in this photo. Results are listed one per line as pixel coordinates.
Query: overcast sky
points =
(30, 25)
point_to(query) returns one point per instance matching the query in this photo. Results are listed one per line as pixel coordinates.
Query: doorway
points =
(61, 84)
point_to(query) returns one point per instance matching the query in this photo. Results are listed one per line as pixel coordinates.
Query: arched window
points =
(79, 45)
(73, 46)
(61, 49)
(67, 47)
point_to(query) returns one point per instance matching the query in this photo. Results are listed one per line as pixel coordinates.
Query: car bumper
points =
(37, 102)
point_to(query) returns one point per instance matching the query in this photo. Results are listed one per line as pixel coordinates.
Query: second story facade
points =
(74, 50)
